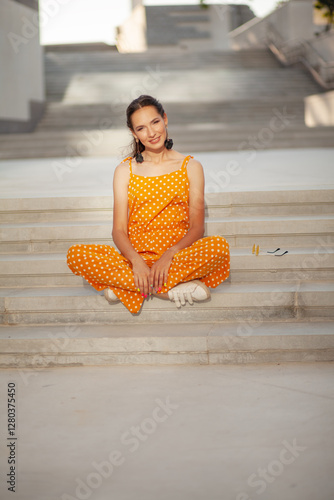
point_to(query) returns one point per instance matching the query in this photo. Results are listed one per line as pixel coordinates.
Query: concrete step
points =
(89, 116)
(115, 88)
(239, 232)
(268, 203)
(56, 209)
(135, 344)
(228, 204)
(299, 265)
(210, 131)
(195, 138)
(229, 302)
(93, 61)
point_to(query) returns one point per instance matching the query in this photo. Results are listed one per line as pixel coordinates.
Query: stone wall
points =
(293, 21)
(319, 110)
(22, 97)
(324, 45)
(131, 36)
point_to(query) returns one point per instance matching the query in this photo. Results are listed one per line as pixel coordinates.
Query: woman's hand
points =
(141, 274)
(159, 270)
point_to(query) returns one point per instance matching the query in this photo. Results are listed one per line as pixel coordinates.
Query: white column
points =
(22, 92)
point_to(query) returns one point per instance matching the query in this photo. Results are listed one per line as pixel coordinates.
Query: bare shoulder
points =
(124, 165)
(195, 167)
(123, 168)
(122, 174)
(193, 163)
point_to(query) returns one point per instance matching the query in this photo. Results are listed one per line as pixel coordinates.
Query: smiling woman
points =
(153, 113)
(158, 223)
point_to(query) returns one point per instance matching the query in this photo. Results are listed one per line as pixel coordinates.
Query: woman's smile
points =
(154, 141)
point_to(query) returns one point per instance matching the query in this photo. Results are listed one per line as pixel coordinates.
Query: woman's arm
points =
(120, 229)
(120, 213)
(159, 271)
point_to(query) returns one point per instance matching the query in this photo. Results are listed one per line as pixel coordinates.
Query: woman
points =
(158, 223)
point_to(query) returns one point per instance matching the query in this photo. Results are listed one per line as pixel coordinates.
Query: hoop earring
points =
(168, 142)
(139, 157)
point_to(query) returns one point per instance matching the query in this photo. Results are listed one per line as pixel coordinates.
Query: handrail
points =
(301, 51)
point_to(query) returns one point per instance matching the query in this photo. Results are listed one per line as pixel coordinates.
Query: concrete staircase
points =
(173, 25)
(170, 24)
(88, 92)
(270, 309)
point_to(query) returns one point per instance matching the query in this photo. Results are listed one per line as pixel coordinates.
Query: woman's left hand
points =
(159, 270)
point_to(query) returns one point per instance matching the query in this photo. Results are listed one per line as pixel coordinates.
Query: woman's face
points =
(149, 127)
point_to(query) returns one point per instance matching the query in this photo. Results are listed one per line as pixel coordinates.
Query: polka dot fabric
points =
(158, 219)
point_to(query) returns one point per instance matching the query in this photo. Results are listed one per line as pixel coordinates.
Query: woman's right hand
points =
(141, 275)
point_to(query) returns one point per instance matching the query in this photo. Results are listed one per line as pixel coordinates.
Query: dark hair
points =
(141, 102)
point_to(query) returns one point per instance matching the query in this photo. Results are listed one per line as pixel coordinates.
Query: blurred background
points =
(69, 66)
(87, 21)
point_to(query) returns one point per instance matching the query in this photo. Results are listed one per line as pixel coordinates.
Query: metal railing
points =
(301, 51)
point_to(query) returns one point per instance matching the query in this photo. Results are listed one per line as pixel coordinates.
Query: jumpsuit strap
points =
(129, 158)
(186, 161)
(126, 159)
(184, 165)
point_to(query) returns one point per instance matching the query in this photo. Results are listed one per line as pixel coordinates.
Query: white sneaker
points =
(110, 296)
(193, 290)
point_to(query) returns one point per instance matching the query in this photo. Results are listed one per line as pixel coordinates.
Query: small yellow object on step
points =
(253, 249)
(257, 250)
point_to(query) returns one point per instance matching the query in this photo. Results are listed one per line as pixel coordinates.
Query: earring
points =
(138, 156)
(168, 142)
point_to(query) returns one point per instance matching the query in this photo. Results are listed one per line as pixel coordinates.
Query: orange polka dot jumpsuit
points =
(158, 219)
